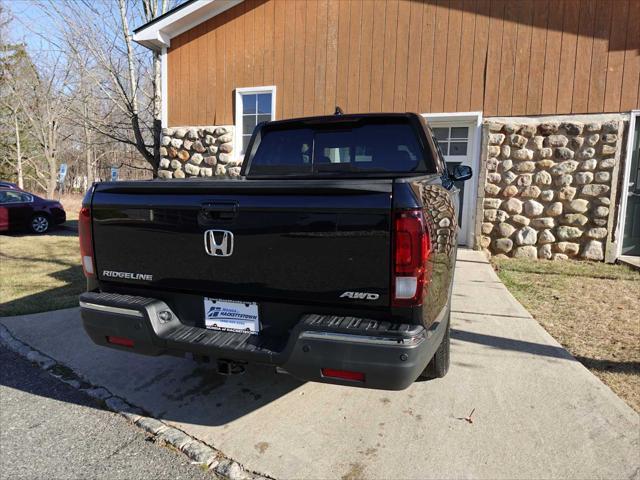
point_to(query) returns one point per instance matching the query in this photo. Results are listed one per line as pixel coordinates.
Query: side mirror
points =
(461, 173)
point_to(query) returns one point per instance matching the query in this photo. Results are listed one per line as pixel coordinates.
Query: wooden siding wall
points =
(504, 57)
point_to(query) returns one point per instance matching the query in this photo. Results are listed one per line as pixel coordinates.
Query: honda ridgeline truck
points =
(331, 257)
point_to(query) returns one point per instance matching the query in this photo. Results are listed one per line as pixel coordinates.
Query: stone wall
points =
(198, 152)
(548, 186)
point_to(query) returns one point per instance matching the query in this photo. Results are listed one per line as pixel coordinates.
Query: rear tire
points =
(439, 364)
(39, 224)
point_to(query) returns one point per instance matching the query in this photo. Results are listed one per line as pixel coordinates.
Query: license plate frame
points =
(231, 315)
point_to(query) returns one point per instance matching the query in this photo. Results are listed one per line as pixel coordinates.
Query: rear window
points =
(391, 147)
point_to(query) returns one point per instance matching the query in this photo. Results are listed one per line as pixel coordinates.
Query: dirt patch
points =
(261, 447)
(355, 472)
(591, 308)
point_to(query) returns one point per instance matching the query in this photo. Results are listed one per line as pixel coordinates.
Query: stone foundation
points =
(547, 186)
(198, 152)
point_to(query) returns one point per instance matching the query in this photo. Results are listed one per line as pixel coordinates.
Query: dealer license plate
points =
(231, 315)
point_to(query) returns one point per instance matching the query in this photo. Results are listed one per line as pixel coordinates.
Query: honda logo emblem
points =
(218, 243)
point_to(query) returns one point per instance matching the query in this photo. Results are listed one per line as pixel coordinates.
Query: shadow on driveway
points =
(504, 343)
(181, 390)
(186, 392)
(168, 387)
(544, 350)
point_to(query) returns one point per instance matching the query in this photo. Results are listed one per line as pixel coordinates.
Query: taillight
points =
(411, 252)
(86, 244)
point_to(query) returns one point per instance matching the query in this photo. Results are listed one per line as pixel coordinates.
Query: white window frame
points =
(238, 113)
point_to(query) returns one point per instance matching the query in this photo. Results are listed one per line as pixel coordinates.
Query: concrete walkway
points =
(632, 261)
(538, 413)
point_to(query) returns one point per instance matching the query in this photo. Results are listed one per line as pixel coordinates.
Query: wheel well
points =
(41, 214)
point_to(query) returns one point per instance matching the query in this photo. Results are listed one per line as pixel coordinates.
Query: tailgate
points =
(302, 241)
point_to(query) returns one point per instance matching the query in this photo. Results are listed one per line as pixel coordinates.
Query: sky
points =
(27, 19)
(30, 23)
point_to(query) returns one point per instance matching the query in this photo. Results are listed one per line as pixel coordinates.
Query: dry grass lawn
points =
(42, 272)
(39, 273)
(592, 309)
(71, 204)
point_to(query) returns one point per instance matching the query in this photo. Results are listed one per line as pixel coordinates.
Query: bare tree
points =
(12, 57)
(18, 149)
(85, 110)
(119, 69)
(83, 94)
(151, 10)
(43, 98)
(13, 153)
(20, 152)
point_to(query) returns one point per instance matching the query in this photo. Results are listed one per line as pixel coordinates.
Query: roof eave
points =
(158, 33)
(153, 40)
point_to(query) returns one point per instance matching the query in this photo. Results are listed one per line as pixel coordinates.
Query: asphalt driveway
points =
(50, 430)
(537, 412)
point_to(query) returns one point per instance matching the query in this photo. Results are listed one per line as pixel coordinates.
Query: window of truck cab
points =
(254, 105)
(346, 145)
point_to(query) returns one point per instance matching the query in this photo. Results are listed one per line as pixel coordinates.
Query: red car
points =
(22, 210)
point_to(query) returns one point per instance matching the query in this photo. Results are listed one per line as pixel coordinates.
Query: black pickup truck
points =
(330, 258)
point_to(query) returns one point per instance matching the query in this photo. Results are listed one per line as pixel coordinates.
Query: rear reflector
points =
(86, 242)
(406, 287)
(87, 264)
(343, 374)
(122, 341)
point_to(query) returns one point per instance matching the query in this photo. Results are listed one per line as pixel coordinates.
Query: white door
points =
(457, 139)
(630, 209)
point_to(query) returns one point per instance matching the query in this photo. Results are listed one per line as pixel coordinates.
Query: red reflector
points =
(343, 374)
(122, 341)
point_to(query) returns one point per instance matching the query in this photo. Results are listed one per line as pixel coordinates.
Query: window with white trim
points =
(253, 106)
(454, 141)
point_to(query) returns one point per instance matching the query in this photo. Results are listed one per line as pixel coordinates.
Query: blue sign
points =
(114, 174)
(62, 173)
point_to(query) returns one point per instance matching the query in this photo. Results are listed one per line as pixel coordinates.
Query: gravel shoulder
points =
(50, 430)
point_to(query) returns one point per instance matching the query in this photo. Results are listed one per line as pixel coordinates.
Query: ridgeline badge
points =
(128, 275)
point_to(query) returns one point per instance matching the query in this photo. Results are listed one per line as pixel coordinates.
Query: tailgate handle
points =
(218, 211)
